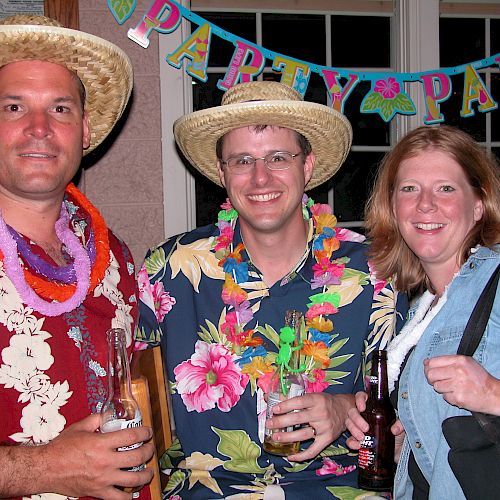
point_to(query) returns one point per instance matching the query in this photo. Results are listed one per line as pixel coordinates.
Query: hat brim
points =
(104, 69)
(328, 132)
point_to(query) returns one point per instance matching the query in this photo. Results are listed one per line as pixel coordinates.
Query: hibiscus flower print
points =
(210, 378)
(42, 421)
(162, 301)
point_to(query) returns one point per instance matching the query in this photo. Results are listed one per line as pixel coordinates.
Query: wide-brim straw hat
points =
(265, 103)
(104, 69)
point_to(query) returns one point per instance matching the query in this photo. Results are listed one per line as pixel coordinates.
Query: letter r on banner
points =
(246, 64)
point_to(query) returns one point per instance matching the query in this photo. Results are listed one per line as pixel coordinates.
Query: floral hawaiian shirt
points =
(53, 370)
(217, 383)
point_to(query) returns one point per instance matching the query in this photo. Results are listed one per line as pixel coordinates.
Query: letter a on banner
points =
(475, 90)
(196, 48)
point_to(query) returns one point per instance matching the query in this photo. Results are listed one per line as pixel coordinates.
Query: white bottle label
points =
(121, 423)
(274, 398)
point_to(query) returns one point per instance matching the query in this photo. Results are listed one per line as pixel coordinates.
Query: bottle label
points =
(367, 453)
(121, 423)
(274, 398)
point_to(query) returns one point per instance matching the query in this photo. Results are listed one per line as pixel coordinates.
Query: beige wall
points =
(125, 182)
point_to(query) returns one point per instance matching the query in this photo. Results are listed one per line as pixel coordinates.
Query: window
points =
(381, 36)
(465, 39)
(321, 42)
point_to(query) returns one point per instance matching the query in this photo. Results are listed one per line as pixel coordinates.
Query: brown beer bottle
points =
(376, 454)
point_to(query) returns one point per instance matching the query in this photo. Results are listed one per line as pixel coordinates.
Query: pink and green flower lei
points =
(326, 271)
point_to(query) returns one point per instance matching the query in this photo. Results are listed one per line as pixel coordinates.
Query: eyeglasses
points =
(243, 164)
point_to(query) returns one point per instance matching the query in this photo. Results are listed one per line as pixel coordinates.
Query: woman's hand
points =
(463, 382)
(358, 426)
(355, 423)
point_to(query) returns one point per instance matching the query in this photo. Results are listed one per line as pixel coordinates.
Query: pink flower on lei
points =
(332, 467)
(321, 208)
(318, 383)
(378, 284)
(264, 381)
(209, 378)
(344, 234)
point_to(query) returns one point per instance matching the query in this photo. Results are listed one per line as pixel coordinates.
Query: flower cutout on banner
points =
(386, 98)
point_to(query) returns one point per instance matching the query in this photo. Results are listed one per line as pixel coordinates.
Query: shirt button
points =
(404, 395)
(472, 265)
(418, 444)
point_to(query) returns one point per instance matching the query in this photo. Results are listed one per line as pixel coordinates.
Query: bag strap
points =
(479, 318)
(472, 336)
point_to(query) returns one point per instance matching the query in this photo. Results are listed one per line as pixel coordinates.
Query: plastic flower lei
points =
(68, 285)
(326, 271)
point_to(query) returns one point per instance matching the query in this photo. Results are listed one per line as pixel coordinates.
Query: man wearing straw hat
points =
(216, 300)
(64, 277)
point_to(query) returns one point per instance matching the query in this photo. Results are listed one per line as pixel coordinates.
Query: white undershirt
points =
(410, 334)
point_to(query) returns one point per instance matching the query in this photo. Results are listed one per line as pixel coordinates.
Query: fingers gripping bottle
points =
(120, 410)
(376, 454)
(286, 382)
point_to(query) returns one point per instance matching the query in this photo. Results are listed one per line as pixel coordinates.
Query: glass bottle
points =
(287, 382)
(120, 410)
(376, 454)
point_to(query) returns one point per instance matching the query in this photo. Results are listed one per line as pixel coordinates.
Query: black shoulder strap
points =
(479, 317)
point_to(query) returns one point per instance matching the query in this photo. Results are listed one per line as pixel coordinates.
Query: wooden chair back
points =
(150, 389)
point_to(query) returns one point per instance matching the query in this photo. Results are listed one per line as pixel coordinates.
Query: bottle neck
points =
(379, 387)
(293, 319)
(118, 365)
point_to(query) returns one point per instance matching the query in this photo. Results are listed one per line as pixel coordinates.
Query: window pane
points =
(208, 195)
(361, 41)
(305, 36)
(316, 88)
(495, 36)
(207, 94)
(352, 184)
(241, 25)
(495, 115)
(496, 152)
(369, 129)
(461, 41)
(209, 198)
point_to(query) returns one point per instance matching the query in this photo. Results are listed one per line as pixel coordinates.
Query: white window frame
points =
(415, 36)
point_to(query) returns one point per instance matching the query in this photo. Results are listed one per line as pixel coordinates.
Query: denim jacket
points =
(421, 409)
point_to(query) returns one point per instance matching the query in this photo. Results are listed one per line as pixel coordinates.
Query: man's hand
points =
(321, 416)
(80, 462)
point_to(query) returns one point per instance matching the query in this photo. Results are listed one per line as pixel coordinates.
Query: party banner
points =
(386, 96)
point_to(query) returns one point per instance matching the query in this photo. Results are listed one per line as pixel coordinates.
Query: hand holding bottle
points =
(81, 462)
(121, 411)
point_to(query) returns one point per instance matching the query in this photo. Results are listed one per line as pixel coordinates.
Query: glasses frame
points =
(232, 169)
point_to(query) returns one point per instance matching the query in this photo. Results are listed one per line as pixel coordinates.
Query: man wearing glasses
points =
(216, 297)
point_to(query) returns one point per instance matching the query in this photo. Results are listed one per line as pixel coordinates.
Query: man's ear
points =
(221, 173)
(86, 131)
(309, 167)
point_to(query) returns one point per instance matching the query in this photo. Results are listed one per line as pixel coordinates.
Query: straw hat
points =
(104, 69)
(265, 103)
